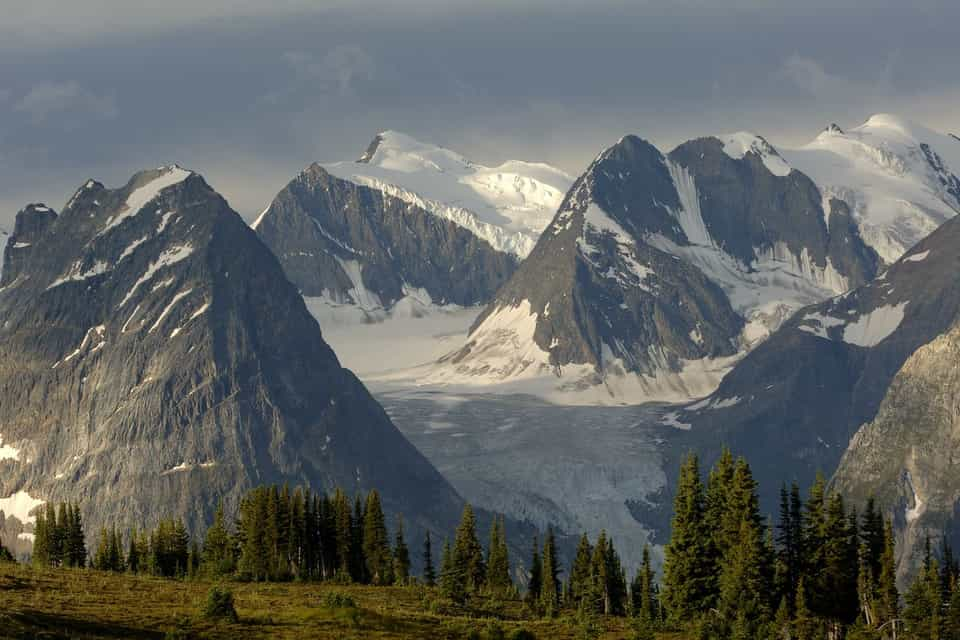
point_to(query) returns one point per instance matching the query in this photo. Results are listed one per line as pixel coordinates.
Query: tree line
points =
(822, 571)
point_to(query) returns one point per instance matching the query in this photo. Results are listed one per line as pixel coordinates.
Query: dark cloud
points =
(249, 92)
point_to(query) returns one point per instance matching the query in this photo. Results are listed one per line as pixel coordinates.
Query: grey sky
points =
(249, 92)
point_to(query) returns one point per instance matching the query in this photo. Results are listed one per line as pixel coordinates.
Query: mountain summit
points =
(408, 226)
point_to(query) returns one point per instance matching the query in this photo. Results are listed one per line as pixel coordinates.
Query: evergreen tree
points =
(468, 552)
(498, 560)
(579, 584)
(744, 590)
(888, 605)
(452, 576)
(429, 575)
(133, 553)
(41, 540)
(254, 562)
(922, 612)
(376, 546)
(688, 566)
(643, 591)
(550, 586)
(343, 536)
(217, 553)
(535, 583)
(401, 556)
(358, 565)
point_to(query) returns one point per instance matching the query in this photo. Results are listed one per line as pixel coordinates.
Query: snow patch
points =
(873, 328)
(19, 505)
(173, 302)
(169, 257)
(737, 145)
(917, 257)
(7, 452)
(143, 195)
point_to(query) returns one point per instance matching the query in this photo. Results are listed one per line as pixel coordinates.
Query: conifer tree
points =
(535, 583)
(41, 540)
(376, 546)
(688, 566)
(343, 535)
(643, 591)
(401, 556)
(468, 552)
(133, 553)
(922, 611)
(550, 586)
(358, 566)
(429, 575)
(579, 583)
(498, 560)
(217, 553)
(888, 605)
(452, 576)
(744, 590)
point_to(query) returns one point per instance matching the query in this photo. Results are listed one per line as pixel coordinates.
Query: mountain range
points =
(660, 271)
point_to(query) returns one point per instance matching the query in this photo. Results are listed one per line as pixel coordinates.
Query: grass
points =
(79, 603)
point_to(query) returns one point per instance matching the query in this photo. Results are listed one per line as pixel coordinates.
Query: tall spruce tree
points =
(401, 556)
(535, 582)
(429, 574)
(498, 560)
(688, 565)
(376, 545)
(580, 579)
(550, 587)
(468, 552)
(217, 553)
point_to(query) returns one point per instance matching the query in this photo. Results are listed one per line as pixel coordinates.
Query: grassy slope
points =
(90, 604)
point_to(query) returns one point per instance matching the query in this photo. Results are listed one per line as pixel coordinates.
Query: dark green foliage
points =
(579, 584)
(522, 634)
(468, 553)
(375, 546)
(498, 561)
(219, 605)
(550, 585)
(218, 558)
(689, 565)
(401, 556)
(58, 537)
(429, 574)
(535, 583)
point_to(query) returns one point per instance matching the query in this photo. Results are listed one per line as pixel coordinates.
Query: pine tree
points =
(358, 565)
(452, 576)
(343, 536)
(401, 556)
(579, 584)
(498, 561)
(643, 591)
(922, 612)
(535, 583)
(688, 566)
(75, 549)
(133, 553)
(217, 553)
(41, 540)
(254, 562)
(376, 546)
(744, 590)
(468, 552)
(429, 575)
(550, 587)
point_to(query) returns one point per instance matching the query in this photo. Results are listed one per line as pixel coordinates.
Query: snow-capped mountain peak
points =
(507, 206)
(899, 179)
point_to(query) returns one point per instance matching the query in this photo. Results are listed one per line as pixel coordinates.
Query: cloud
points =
(53, 98)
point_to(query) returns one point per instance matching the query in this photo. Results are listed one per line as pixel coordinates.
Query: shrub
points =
(522, 634)
(337, 600)
(219, 605)
(495, 632)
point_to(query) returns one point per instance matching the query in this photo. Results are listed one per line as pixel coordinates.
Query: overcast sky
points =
(248, 92)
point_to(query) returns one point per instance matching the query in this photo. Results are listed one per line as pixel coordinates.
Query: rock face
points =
(662, 268)
(792, 405)
(154, 358)
(906, 456)
(354, 245)
(408, 226)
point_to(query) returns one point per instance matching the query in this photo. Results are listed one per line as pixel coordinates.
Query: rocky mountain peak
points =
(157, 359)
